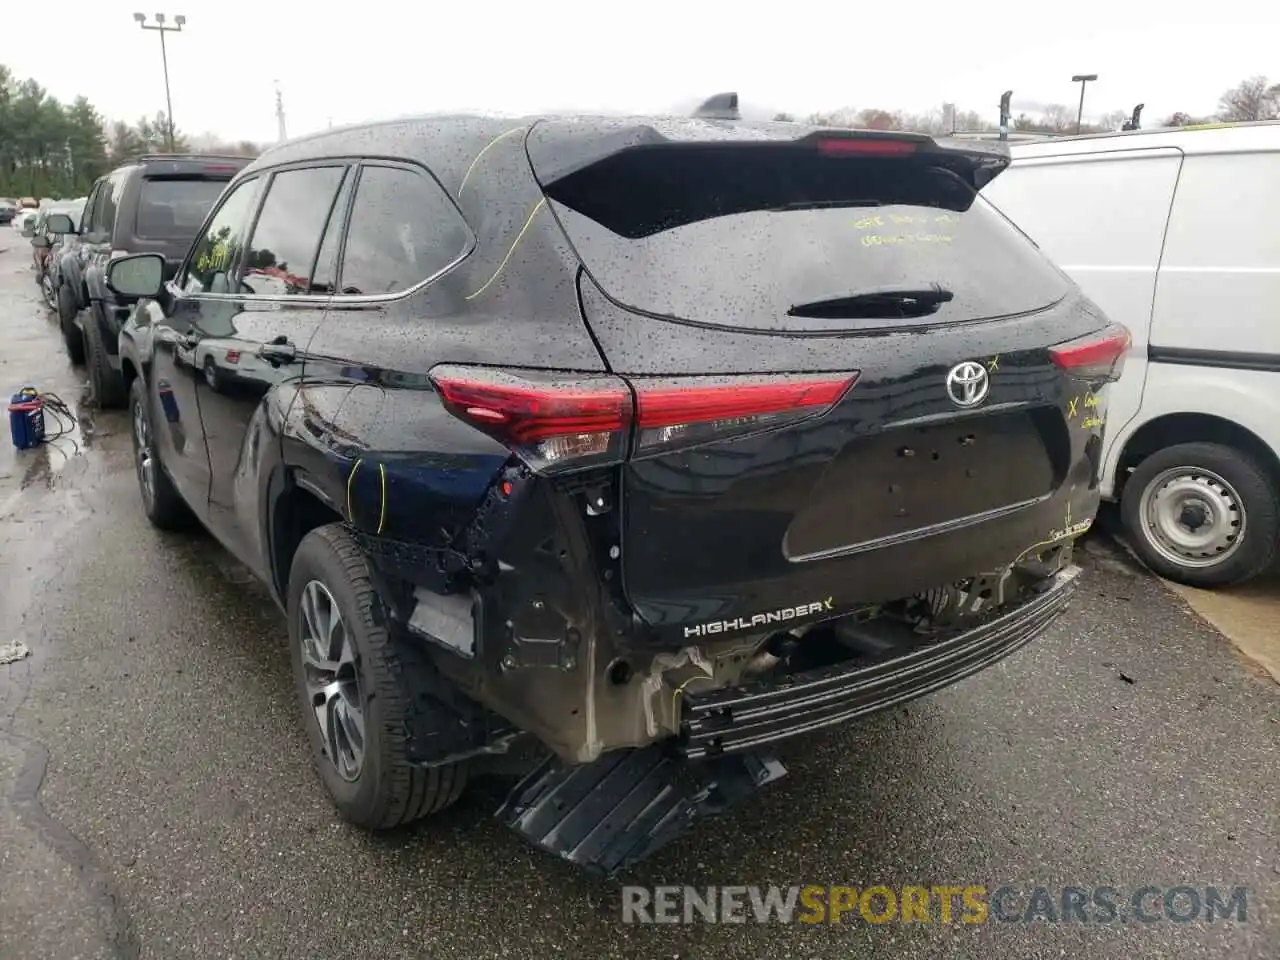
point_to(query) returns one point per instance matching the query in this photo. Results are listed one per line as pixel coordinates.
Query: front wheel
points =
(161, 501)
(1203, 514)
(349, 681)
(108, 384)
(71, 335)
(47, 291)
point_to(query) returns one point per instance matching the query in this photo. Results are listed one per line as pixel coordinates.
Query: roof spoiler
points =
(722, 106)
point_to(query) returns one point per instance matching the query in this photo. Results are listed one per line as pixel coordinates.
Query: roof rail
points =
(190, 156)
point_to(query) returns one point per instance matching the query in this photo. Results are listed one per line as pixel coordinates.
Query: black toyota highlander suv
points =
(153, 204)
(648, 442)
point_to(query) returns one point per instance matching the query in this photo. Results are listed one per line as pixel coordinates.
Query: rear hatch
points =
(853, 379)
(174, 197)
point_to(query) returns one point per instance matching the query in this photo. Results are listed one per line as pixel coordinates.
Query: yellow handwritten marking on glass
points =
(1072, 407)
(1090, 422)
(891, 240)
(868, 223)
(1091, 401)
(215, 258)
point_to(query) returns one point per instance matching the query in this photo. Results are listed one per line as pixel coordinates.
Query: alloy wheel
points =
(332, 681)
(143, 456)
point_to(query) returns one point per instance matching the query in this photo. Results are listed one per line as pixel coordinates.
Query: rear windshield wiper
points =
(876, 303)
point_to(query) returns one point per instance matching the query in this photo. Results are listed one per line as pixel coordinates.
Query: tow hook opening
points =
(619, 673)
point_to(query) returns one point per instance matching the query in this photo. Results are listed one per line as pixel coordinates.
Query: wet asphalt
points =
(156, 798)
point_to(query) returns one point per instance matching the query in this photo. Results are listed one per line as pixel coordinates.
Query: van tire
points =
(1249, 483)
(108, 384)
(389, 789)
(72, 338)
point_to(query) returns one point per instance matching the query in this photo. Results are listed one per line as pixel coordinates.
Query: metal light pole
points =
(1082, 79)
(162, 29)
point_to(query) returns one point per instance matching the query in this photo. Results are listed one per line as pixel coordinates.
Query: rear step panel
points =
(895, 491)
(610, 814)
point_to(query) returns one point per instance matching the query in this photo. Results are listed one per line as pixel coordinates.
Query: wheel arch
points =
(296, 506)
(1176, 428)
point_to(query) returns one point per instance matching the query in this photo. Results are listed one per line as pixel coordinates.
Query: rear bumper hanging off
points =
(609, 814)
(733, 719)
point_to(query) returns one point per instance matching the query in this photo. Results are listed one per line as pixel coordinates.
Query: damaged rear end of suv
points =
(848, 433)
(714, 434)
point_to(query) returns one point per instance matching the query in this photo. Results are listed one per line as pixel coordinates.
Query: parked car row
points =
(154, 204)
(648, 443)
(47, 246)
(10, 210)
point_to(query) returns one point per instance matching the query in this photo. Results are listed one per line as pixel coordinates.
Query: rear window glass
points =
(172, 208)
(740, 236)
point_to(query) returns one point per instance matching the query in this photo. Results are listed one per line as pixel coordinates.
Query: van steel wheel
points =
(350, 677)
(1202, 514)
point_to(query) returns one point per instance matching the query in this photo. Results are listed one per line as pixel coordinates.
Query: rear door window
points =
(403, 230)
(172, 208)
(286, 238)
(109, 205)
(324, 279)
(93, 212)
(740, 235)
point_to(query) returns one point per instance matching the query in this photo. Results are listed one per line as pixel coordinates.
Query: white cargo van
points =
(1176, 234)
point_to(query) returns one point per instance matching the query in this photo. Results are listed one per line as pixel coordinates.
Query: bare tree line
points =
(1256, 98)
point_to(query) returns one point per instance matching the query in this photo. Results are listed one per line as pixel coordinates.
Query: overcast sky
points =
(346, 62)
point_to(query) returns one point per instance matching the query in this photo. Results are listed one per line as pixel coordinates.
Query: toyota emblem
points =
(968, 384)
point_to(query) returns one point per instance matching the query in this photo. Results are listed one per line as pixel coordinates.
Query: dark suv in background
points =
(154, 204)
(649, 442)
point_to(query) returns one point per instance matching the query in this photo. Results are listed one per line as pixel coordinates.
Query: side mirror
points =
(59, 223)
(41, 241)
(28, 229)
(138, 275)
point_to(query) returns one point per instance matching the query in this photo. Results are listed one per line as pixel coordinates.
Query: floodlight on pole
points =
(159, 26)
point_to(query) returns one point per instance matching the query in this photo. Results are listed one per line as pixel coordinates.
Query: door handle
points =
(278, 351)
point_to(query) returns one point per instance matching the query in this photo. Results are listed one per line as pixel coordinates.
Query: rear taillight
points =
(552, 421)
(556, 422)
(686, 411)
(1097, 356)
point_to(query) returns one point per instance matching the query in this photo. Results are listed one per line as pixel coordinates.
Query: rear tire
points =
(372, 782)
(71, 336)
(107, 383)
(1203, 514)
(161, 501)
